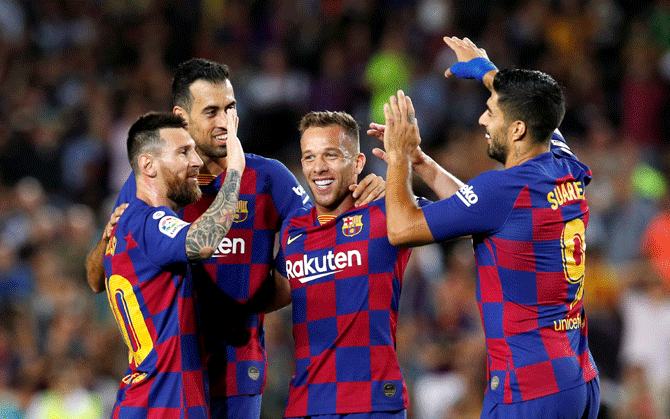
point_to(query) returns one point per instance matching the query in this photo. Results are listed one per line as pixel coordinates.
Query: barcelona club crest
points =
(352, 225)
(242, 211)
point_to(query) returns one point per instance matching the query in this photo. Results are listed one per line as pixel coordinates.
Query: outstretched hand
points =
(401, 134)
(377, 131)
(473, 62)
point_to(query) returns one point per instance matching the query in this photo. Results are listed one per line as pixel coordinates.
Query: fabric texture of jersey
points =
(345, 281)
(243, 260)
(528, 225)
(152, 299)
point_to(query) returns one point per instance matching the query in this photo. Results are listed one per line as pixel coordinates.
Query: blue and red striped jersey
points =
(346, 280)
(528, 227)
(243, 260)
(151, 296)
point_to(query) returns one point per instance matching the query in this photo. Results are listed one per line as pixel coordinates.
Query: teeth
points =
(323, 182)
(487, 135)
(222, 137)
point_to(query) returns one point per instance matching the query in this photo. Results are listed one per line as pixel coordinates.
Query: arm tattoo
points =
(205, 234)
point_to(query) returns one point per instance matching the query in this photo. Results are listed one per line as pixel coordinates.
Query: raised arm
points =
(405, 222)
(473, 62)
(95, 270)
(443, 183)
(212, 226)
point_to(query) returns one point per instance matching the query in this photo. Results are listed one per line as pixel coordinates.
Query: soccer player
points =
(344, 279)
(202, 93)
(527, 224)
(146, 264)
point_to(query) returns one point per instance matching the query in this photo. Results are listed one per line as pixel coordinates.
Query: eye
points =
(308, 158)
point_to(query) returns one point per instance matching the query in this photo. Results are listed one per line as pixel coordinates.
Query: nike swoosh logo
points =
(292, 239)
(313, 277)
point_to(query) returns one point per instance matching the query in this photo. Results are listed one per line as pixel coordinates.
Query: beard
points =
(212, 151)
(497, 150)
(180, 191)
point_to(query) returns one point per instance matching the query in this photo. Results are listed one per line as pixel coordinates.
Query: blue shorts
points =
(582, 402)
(397, 414)
(245, 406)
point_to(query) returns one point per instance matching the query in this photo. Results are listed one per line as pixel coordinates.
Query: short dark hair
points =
(144, 135)
(190, 71)
(533, 97)
(327, 118)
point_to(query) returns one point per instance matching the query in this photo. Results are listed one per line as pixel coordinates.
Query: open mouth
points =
(221, 138)
(323, 184)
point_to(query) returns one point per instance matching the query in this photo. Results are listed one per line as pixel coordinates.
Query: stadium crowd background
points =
(74, 74)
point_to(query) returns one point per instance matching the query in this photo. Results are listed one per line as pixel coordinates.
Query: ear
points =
(178, 110)
(518, 130)
(360, 162)
(148, 165)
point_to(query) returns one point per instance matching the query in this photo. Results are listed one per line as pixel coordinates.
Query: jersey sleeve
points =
(287, 193)
(280, 262)
(128, 191)
(280, 259)
(480, 206)
(559, 147)
(164, 236)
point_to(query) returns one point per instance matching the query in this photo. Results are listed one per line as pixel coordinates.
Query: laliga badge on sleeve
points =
(170, 225)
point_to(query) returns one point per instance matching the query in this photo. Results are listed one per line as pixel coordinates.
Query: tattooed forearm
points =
(206, 232)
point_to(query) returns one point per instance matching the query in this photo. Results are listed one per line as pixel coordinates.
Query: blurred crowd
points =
(74, 74)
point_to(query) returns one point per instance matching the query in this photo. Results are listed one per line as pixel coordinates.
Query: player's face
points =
(179, 166)
(330, 164)
(207, 118)
(493, 121)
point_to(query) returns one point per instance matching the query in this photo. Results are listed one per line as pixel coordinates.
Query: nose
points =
(320, 165)
(483, 119)
(221, 120)
(195, 160)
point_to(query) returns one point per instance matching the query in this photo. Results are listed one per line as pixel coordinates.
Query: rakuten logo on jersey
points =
(309, 269)
(227, 246)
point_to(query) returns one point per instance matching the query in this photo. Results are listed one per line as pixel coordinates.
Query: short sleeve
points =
(559, 147)
(480, 206)
(287, 193)
(164, 236)
(280, 262)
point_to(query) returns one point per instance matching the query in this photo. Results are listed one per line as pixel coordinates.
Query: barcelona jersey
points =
(528, 227)
(151, 296)
(345, 281)
(242, 261)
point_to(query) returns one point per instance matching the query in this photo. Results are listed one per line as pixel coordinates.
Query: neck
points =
(521, 152)
(334, 211)
(149, 191)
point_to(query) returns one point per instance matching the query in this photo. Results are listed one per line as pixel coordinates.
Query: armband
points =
(476, 68)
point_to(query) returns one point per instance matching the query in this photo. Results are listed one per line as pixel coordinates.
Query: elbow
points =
(397, 238)
(204, 253)
(97, 290)
(97, 287)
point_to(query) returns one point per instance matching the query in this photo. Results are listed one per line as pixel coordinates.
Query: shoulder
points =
(140, 217)
(300, 217)
(264, 164)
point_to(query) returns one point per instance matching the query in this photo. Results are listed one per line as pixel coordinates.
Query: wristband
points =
(476, 68)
